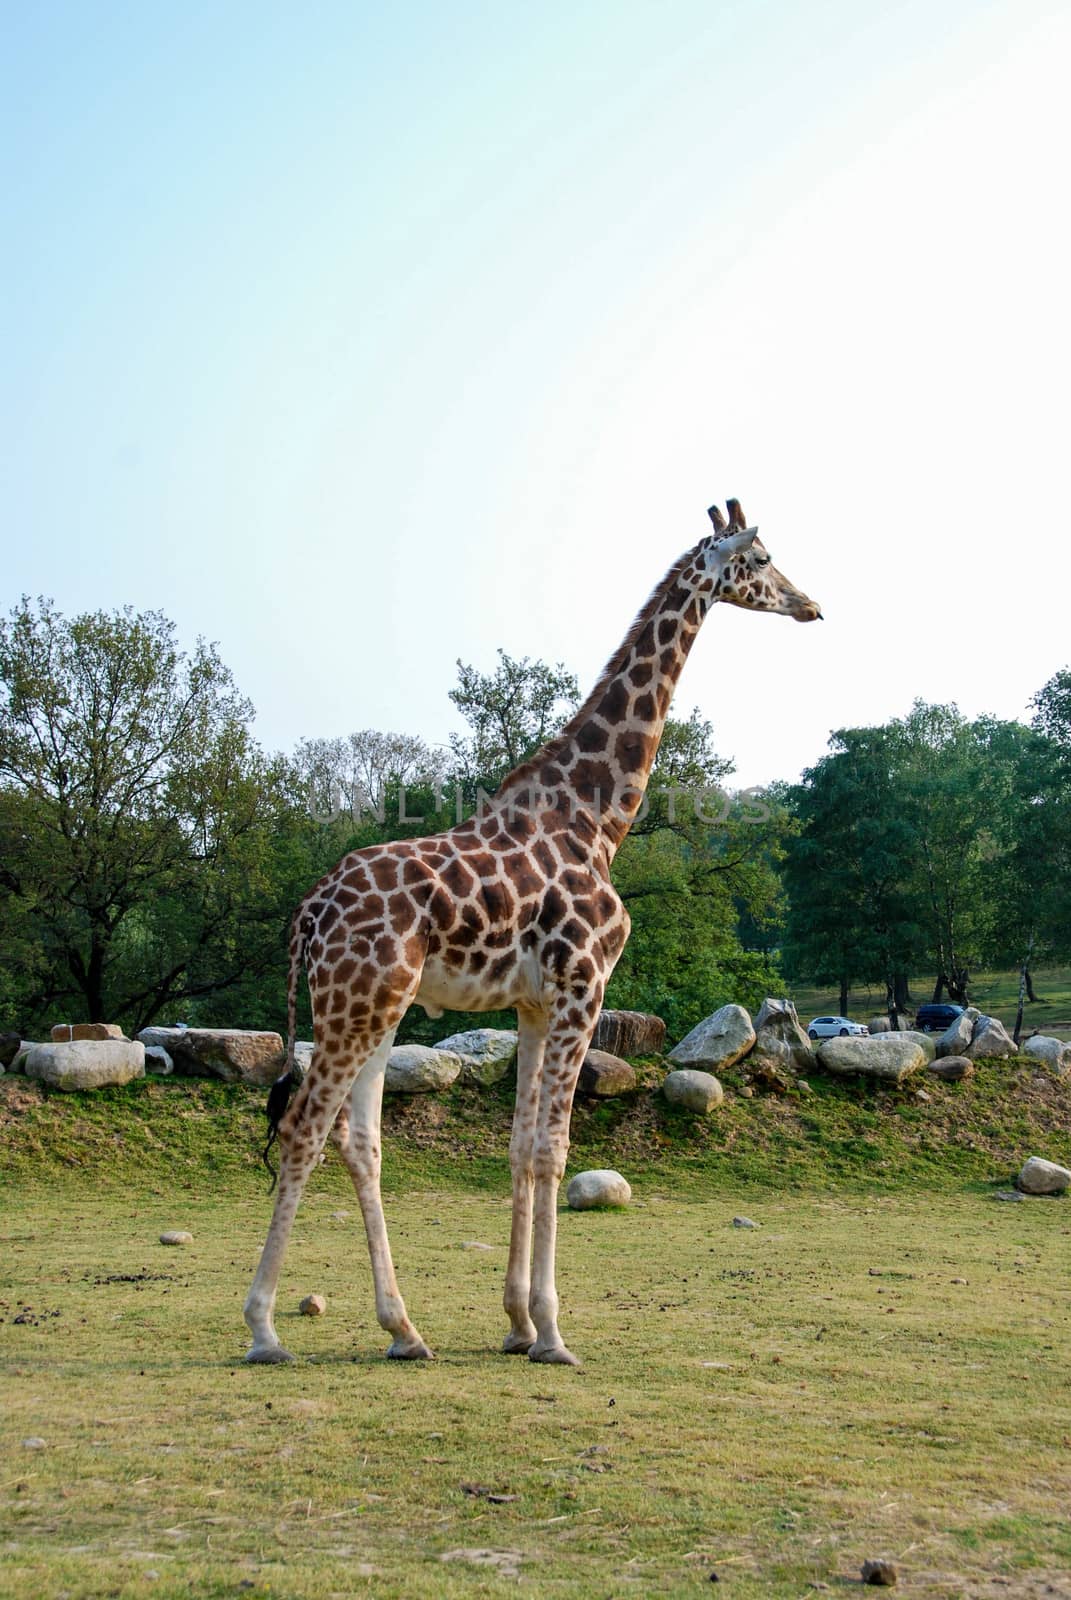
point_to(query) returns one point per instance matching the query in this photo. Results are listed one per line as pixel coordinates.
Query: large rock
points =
(781, 1046)
(157, 1061)
(1055, 1053)
(237, 1055)
(64, 1032)
(601, 1187)
(956, 1037)
(629, 1033)
(891, 1056)
(717, 1041)
(1043, 1177)
(86, 1063)
(10, 1046)
(605, 1075)
(486, 1053)
(880, 1025)
(990, 1038)
(418, 1069)
(303, 1049)
(695, 1091)
(953, 1069)
(926, 1041)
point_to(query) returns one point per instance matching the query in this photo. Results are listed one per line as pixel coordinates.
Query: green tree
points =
(138, 819)
(849, 870)
(510, 712)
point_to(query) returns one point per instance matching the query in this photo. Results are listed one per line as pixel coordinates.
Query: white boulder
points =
(990, 1038)
(780, 1042)
(1055, 1053)
(486, 1053)
(237, 1055)
(718, 1041)
(1043, 1177)
(925, 1041)
(695, 1091)
(86, 1063)
(956, 1037)
(891, 1056)
(589, 1191)
(418, 1069)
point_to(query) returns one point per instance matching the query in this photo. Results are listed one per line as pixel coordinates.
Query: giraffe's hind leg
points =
(356, 1134)
(302, 1133)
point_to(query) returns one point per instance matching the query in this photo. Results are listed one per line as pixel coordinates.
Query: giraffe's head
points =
(743, 573)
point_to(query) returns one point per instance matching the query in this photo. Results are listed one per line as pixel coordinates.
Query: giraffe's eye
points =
(762, 561)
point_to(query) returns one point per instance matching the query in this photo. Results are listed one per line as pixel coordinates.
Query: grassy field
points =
(880, 1368)
(855, 1377)
(994, 992)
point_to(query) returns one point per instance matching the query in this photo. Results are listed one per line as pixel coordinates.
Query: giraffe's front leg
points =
(531, 1037)
(561, 1068)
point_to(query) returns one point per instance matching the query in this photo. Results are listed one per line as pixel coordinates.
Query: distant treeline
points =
(151, 852)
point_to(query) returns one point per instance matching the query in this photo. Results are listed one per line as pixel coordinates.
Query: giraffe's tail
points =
(281, 1090)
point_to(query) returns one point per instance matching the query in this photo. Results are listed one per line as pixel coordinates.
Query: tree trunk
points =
(1022, 997)
(939, 988)
(890, 1004)
(843, 996)
(1030, 995)
(901, 991)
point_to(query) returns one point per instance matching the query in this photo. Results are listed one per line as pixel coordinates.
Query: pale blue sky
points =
(360, 338)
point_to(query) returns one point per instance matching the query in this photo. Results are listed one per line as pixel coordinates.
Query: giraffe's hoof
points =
(518, 1344)
(553, 1355)
(268, 1354)
(409, 1350)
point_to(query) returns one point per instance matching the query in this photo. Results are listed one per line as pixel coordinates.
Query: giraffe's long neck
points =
(602, 759)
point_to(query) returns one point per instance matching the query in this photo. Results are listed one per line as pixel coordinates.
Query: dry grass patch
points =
(773, 1404)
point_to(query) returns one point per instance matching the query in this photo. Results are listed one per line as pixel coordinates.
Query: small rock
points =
(176, 1236)
(158, 1061)
(803, 1086)
(745, 1222)
(1009, 1194)
(882, 1572)
(65, 1032)
(606, 1075)
(340, 1216)
(313, 1305)
(417, 1069)
(694, 1090)
(957, 1280)
(952, 1068)
(1043, 1177)
(34, 1444)
(600, 1187)
(920, 1094)
(474, 1244)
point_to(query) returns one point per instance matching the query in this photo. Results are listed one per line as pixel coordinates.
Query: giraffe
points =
(513, 907)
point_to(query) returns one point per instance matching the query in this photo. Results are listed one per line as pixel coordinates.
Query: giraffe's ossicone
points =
(513, 908)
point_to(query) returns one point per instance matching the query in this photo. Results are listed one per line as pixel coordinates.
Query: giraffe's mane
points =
(650, 608)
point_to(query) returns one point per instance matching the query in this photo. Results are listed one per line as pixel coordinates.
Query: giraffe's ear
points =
(720, 524)
(736, 513)
(736, 542)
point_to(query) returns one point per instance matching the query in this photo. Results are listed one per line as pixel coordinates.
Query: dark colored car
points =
(936, 1019)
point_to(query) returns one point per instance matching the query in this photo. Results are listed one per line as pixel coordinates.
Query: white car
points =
(836, 1028)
